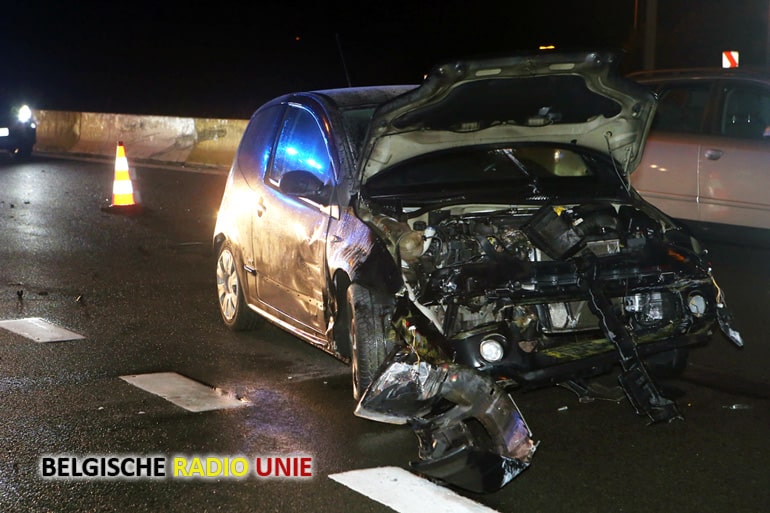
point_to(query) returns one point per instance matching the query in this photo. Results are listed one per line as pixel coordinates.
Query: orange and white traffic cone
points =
(123, 198)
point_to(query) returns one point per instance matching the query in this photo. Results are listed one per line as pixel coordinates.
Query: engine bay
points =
(470, 266)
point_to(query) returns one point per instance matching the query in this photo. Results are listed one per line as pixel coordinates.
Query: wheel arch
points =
(377, 272)
(219, 239)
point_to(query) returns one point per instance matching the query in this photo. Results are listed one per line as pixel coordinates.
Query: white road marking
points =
(184, 392)
(39, 330)
(405, 492)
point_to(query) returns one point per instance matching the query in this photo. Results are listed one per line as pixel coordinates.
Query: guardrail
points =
(163, 139)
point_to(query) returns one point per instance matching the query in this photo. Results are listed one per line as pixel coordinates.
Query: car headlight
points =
(492, 348)
(24, 114)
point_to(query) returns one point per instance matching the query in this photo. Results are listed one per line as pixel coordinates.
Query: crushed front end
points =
(501, 190)
(526, 297)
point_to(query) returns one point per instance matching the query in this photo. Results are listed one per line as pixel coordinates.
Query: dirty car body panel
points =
(459, 238)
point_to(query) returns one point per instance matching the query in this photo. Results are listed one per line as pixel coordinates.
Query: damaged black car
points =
(459, 239)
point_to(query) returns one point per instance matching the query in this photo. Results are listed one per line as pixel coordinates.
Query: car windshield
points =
(543, 166)
(356, 122)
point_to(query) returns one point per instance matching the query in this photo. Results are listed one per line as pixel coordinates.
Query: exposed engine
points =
(518, 292)
(464, 260)
(477, 268)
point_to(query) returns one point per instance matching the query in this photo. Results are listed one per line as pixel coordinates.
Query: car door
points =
(289, 233)
(252, 160)
(735, 163)
(667, 176)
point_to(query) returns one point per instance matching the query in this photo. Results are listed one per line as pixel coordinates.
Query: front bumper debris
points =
(471, 434)
(641, 390)
(635, 380)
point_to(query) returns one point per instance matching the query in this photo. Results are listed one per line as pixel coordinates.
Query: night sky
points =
(225, 58)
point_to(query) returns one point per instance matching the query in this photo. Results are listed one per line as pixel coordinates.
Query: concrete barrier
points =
(162, 139)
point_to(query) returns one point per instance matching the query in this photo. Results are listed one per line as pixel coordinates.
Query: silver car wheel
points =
(228, 287)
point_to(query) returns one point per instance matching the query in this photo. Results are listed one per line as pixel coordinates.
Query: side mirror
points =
(303, 184)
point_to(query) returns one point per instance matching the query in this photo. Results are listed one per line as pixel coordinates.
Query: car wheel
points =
(235, 313)
(369, 343)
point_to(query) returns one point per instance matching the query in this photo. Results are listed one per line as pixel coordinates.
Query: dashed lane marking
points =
(184, 392)
(39, 330)
(405, 492)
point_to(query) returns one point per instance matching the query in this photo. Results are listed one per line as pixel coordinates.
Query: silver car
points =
(461, 239)
(708, 152)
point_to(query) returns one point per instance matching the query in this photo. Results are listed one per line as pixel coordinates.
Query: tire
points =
(232, 305)
(369, 344)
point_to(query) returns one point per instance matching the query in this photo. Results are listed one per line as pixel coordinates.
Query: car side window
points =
(257, 143)
(302, 145)
(745, 112)
(681, 107)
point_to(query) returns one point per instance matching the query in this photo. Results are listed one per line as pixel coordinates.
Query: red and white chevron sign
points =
(730, 59)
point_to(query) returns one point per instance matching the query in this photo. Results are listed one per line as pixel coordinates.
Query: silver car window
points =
(746, 112)
(302, 145)
(681, 107)
(257, 143)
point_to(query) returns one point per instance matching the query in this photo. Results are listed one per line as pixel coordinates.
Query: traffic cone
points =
(123, 198)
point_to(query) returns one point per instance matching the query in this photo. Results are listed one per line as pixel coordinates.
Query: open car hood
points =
(549, 97)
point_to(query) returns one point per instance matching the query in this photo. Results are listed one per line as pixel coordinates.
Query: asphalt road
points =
(141, 293)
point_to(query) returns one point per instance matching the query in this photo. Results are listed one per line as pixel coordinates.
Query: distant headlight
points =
(24, 114)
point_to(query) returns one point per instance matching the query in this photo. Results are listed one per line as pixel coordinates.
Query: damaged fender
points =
(470, 431)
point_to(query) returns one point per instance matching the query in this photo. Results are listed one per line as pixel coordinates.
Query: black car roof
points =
(362, 96)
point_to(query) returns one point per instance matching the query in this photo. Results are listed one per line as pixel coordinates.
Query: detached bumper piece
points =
(636, 382)
(725, 319)
(471, 434)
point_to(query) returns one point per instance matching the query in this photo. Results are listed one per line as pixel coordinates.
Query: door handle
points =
(714, 154)
(260, 208)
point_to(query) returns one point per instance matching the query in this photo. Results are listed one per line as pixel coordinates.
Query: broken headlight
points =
(650, 309)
